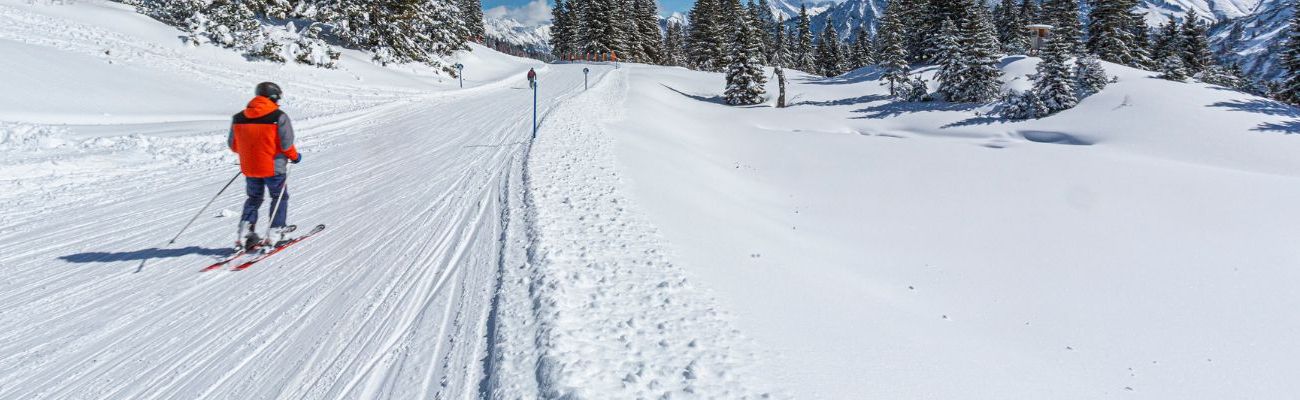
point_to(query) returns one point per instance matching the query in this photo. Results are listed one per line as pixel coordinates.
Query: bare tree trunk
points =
(780, 81)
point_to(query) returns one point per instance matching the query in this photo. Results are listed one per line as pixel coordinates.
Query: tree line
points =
(965, 38)
(394, 31)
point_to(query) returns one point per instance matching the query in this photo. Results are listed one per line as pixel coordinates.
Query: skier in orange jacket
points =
(262, 135)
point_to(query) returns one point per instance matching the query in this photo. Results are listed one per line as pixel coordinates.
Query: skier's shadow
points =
(138, 255)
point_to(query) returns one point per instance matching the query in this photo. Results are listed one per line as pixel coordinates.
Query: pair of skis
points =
(267, 253)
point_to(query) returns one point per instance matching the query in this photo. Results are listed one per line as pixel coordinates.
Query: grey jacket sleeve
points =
(286, 132)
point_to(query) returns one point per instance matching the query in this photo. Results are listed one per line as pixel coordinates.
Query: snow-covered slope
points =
(1158, 11)
(1140, 245)
(1255, 41)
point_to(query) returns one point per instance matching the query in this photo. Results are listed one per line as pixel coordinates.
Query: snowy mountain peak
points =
(534, 36)
(790, 8)
(850, 15)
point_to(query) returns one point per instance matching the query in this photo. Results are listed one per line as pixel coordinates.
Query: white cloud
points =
(536, 12)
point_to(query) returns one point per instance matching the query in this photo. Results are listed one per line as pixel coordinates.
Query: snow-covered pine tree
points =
(912, 18)
(791, 43)
(602, 32)
(1054, 81)
(803, 53)
(229, 23)
(444, 28)
(980, 76)
(781, 50)
(936, 13)
(768, 28)
(891, 47)
(399, 31)
(561, 29)
(846, 51)
(1139, 34)
(1172, 68)
(310, 49)
(861, 50)
(705, 40)
(172, 12)
(1090, 75)
(756, 15)
(951, 59)
(395, 30)
(1010, 28)
(1063, 15)
(745, 79)
(1288, 90)
(915, 89)
(830, 60)
(1030, 12)
(472, 17)
(1168, 42)
(1230, 77)
(578, 11)
(1024, 105)
(1195, 44)
(732, 11)
(649, 38)
(625, 23)
(269, 8)
(1108, 35)
(675, 45)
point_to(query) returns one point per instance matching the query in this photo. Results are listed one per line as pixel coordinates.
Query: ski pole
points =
(205, 207)
(277, 204)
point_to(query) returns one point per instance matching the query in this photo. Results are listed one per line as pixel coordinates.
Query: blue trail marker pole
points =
(460, 73)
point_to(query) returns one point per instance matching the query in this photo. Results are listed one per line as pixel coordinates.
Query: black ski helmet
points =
(269, 90)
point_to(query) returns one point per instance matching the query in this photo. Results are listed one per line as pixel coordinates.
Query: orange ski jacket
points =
(262, 135)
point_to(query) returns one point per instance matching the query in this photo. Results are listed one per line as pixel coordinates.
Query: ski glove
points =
(296, 160)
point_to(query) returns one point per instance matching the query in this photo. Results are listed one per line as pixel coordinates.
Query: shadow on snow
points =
(1267, 107)
(894, 109)
(139, 255)
(707, 99)
(843, 102)
(855, 76)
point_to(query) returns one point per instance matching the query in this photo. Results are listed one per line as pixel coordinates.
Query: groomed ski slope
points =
(391, 301)
(450, 268)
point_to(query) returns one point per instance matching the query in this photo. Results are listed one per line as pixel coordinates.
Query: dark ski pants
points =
(256, 189)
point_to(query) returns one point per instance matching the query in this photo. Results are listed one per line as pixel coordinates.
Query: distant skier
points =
(262, 135)
(532, 78)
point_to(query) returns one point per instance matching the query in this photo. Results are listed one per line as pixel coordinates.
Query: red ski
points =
(278, 247)
(226, 260)
(231, 258)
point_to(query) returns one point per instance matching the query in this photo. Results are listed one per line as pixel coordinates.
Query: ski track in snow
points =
(392, 301)
(595, 309)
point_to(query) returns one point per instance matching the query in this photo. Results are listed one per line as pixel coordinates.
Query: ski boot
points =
(279, 235)
(248, 239)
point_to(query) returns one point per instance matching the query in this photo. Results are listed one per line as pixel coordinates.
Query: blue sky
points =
(532, 10)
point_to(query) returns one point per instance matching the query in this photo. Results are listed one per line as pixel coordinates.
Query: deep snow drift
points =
(1141, 244)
